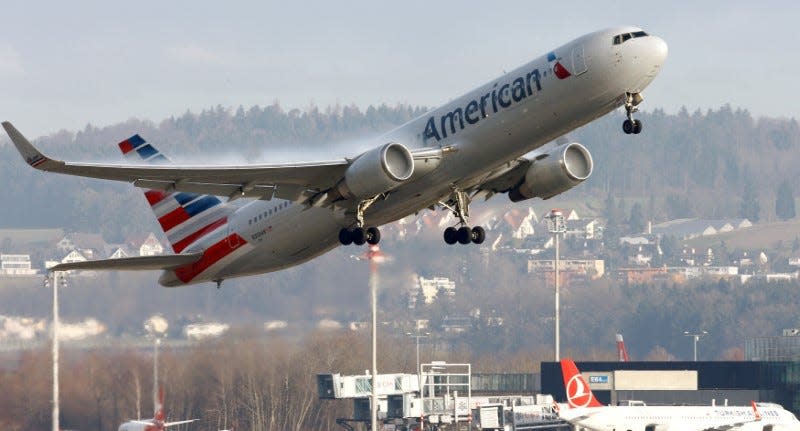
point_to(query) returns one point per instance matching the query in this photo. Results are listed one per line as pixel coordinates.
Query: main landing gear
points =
(359, 234)
(463, 234)
(631, 105)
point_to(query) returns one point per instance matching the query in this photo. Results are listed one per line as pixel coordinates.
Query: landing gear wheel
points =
(359, 236)
(478, 235)
(373, 235)
(627, 127)
(464, 235)
(450, 235)
(637, 127)
(346, 236)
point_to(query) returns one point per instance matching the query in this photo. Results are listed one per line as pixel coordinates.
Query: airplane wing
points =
(285, 181)
(502, 179)
(169, 424)
(131, 263)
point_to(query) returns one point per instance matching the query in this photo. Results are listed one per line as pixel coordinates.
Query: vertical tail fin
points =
(756, 413)
(184, 217)
(578, 392)
(159, 413)
(622, 352)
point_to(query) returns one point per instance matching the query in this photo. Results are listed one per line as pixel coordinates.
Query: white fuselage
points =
(489, 126)
(684, 418)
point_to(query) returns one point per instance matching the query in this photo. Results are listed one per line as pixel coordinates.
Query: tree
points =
(636, 221)
(749, 208)
(784, 201)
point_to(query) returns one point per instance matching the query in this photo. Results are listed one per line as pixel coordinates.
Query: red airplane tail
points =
(578, 392)
(159, 410)
(622, 352)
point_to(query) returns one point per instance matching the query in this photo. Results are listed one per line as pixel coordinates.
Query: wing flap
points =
(171, 261)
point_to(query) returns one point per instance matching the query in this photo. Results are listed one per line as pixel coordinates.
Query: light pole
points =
(375, 257)
(696, 337)
(556, 226)
(417, 336)
(56, 283)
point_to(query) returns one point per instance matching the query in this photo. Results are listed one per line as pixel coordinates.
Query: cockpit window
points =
(621, 38)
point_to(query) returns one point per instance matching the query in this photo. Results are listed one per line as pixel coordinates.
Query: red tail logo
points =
(578, 392)
(622, 352)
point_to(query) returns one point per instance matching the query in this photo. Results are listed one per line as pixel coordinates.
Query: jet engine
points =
(377, 171)
(554, 173)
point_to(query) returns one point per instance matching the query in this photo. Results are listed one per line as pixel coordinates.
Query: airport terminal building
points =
(738, 382)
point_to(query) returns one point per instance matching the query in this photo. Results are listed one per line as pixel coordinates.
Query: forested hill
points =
(687, 164)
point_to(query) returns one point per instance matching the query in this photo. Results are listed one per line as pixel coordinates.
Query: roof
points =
(30, 236)
(690, 228)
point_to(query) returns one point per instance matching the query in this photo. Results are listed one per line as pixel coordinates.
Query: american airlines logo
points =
(501, 97)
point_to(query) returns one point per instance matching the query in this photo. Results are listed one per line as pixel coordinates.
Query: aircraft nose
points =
(658, 50)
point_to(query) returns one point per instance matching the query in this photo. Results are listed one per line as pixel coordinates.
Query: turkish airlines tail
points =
(622, 352)
(578, 392)
(184, 217)
(159, 416)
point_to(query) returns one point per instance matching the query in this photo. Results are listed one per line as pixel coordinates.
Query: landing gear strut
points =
(464, 234)
(632, 125)
(360, 235)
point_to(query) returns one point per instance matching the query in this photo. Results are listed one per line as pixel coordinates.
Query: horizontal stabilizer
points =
(171, 261)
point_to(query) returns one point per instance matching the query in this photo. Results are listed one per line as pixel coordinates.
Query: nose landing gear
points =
(631, 125)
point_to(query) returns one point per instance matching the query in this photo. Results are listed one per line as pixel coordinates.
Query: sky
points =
(64, 65)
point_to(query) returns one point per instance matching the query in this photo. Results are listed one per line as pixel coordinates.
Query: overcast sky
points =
(66, 64)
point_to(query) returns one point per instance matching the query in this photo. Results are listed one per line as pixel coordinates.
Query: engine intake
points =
(562, 169)
(377, 171)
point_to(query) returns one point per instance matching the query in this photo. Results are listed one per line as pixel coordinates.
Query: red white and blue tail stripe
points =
(184, 217)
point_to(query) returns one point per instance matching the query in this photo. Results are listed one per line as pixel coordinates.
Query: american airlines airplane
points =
(586, 413)
(470, 147)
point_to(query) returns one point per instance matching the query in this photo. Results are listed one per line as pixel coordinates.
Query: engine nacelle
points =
(562, 169)
(377, 171)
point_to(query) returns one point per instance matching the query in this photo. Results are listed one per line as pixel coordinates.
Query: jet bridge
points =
(439, 398)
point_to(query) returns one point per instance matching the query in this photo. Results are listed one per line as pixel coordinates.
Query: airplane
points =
(471, 147)
(622, 352)
(155, 424)
(585, 412)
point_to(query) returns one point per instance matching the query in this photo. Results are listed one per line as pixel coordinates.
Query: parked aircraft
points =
(622, 352)
(155, 424)
(470, 147)
(586, 413)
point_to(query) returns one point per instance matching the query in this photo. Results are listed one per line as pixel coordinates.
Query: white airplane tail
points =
(578, 392)
(184, 217)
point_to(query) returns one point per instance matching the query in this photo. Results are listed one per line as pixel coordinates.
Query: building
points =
(785, 347)
(431, 289)
(16, 265)
(592, 268)
(151, 246)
